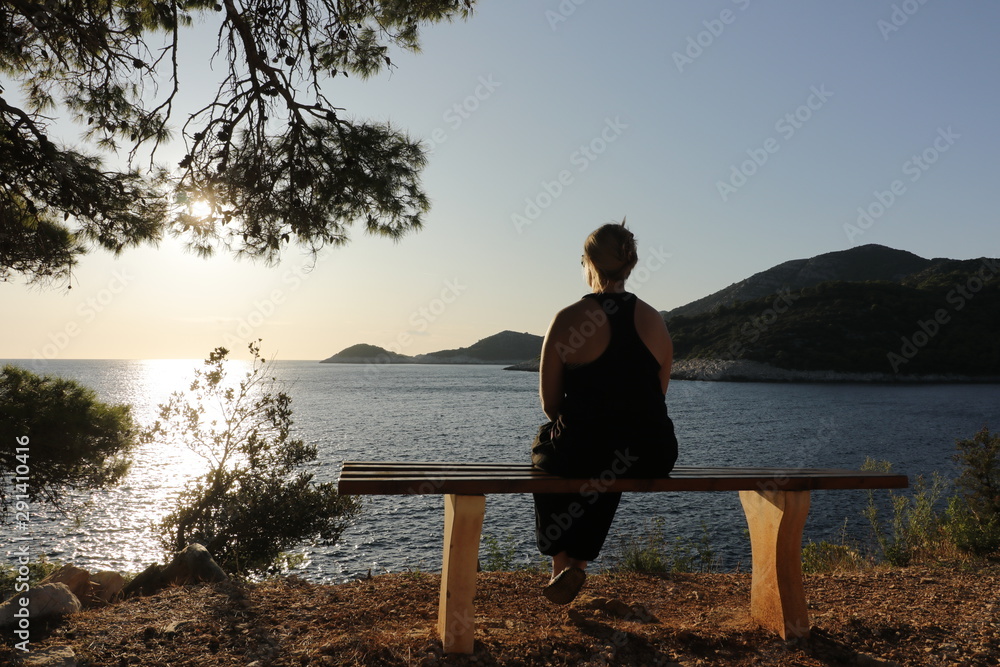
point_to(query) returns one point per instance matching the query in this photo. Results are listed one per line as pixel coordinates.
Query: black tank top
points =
(624, 381)
(615, 404)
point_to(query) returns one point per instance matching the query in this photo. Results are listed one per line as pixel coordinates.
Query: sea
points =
(484, 413)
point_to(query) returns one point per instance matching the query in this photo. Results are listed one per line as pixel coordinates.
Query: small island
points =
(506, 347)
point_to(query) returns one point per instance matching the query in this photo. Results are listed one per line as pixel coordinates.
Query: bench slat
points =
(395, 477)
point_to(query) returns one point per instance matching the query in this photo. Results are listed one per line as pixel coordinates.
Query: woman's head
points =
(609, 255)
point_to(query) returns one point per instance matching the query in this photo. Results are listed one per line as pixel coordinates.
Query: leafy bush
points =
(499, 554)
(974, 512)
(915, 525)
(74, 441)
(654, 553)
(819, 557)
(971, 533)
(254, 502)
(824, 556)
(37, 570)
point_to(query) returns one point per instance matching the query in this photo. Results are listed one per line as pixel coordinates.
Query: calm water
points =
(479, 413)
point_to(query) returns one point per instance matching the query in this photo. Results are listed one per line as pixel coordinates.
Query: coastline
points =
(743, 370)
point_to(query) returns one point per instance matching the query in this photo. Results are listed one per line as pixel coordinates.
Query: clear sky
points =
(734, 134)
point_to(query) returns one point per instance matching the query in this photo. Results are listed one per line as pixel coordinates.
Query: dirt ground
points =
(943, 615)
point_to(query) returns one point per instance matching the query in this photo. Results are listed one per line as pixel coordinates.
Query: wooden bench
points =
(775, 501)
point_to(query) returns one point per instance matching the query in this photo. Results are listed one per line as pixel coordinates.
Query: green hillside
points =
(944, 319)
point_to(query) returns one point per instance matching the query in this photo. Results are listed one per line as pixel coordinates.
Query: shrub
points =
(37, 570)
(974, 513)
(74, 441)
(654, 553)
(971, 533)
(819, 557)
(915, 525)
(824, 556)
(499, 554)
(254, 502)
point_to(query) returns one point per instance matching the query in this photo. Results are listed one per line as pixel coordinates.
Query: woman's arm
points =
(653, 332)
(550, 371)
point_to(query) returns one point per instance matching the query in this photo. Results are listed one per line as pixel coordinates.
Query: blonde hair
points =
(610, 255)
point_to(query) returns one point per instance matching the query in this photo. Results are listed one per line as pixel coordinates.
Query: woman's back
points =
(623, 379)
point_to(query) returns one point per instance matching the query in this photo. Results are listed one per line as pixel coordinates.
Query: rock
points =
(175, 627)
(107, 586)
(146, 582)
(44, 601)
(52, 656)
(865, 660)
(76, 578)
(191, 565)
(617, 608)
(642, 614)
(592, 603)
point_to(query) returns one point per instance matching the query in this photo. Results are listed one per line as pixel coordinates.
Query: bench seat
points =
(775, 502)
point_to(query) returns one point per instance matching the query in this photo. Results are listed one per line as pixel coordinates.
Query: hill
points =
(941, 319)
(364, 353)
(506, 347)
(864, 263)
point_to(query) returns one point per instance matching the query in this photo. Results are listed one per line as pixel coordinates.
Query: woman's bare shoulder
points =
(645, 313)
(575, 310)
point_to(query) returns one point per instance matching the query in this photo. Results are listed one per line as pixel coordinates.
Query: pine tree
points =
(271, 157)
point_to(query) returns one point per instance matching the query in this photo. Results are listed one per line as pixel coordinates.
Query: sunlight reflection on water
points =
(117, 527)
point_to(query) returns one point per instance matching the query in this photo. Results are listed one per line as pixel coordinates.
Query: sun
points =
(200, 208)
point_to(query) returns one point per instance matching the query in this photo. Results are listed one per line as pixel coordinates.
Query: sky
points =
(733, 134)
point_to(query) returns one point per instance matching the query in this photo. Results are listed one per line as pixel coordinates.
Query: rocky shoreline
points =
(743, 370)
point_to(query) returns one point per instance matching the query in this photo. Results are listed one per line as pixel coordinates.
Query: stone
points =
(191, 565)
(76, 578)
(617, 608)
(51, 656)
(107, 586)
(174, 627)
(44, 601)
(146, 582)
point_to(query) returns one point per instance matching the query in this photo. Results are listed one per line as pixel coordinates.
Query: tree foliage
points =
(254, 501)
(271, 155)
(74, 440)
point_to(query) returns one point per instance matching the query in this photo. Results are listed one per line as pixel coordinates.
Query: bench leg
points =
(463, 525)
(776, 520)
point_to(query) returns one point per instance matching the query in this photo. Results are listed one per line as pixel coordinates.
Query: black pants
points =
(578, 523)
(575, 523)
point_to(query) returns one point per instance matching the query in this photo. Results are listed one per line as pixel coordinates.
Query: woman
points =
(604, 371)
